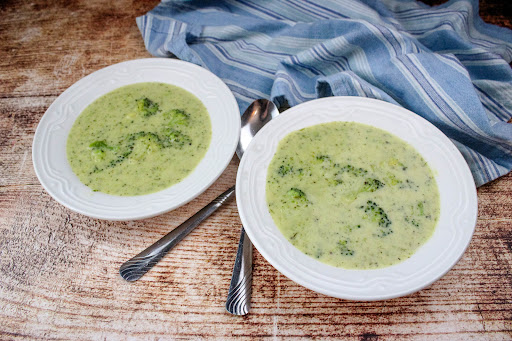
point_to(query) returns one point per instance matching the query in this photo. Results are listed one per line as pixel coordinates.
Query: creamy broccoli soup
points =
(351, 195)
(139, 139)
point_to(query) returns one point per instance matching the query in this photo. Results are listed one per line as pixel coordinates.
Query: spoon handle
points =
(136, 267)
(240, 289)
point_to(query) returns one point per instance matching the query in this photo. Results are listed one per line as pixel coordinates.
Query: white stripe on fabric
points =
(470, 127)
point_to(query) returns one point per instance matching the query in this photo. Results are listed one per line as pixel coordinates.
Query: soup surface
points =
(139, 139)
(351, 195)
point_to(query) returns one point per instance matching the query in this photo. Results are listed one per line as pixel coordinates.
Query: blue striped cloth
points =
(443, 63)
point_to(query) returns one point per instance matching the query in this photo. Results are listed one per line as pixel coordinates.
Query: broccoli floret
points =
(142, 144)
(129, 145)
(177, 139)
(357, 180)
(375, 213)
(146, 106)
(142, 135)
(416, 210)
(284, 169)
(116, 161)
(98, 155)
(297, 196)
(137, 144)
(344, 249)
(177, 117)
(98, 151)
(371, 185)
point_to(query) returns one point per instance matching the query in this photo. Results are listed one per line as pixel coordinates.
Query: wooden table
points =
(59, 270)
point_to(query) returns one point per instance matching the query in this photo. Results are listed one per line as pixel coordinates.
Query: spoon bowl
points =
(259, 113)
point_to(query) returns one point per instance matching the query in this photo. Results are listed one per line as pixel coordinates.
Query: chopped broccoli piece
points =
(412, 221)
(284, 169)
(357, 179)
(98, 151)
(177, 117)
(344, 249)
(177, 139)
(297, 196)
(142, 134)
(371, 185)
(296, 193)
(100, 145)
(322, 158)
(375, 213)
(129, 147)
(352, 170)
(146, 107)
(143, 144)
(119, 159)
(416, 210)
(137, 145)
(95, 170)
(98, 155)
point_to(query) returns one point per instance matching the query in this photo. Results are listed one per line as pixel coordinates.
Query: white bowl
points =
(457, 191)
(49, 146)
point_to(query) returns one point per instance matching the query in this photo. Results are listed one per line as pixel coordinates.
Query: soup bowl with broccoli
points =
(136, 139)
(360, 199)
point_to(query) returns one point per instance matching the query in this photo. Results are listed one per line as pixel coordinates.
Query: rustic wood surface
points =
(59, 270)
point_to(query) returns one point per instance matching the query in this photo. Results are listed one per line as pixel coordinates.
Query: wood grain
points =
(59, 270)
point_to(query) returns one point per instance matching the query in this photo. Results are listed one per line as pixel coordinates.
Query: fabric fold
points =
(443, 63)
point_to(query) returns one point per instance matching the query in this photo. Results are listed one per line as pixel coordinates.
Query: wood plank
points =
(73, 277)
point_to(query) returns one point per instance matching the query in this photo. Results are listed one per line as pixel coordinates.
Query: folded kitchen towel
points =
(443, 63)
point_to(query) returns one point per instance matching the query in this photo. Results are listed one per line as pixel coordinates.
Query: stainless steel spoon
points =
(238, 302)
(258, 113)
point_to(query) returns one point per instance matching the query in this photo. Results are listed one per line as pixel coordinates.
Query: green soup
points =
(139, 139)
(351, 195)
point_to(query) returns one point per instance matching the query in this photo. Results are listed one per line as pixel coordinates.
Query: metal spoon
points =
(258, 113)
(238, 302)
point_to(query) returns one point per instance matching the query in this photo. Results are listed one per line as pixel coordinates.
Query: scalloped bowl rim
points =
(49, 154)
(430, 262)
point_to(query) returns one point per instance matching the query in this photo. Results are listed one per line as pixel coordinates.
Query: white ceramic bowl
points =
(456, 187)
(49, 146)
